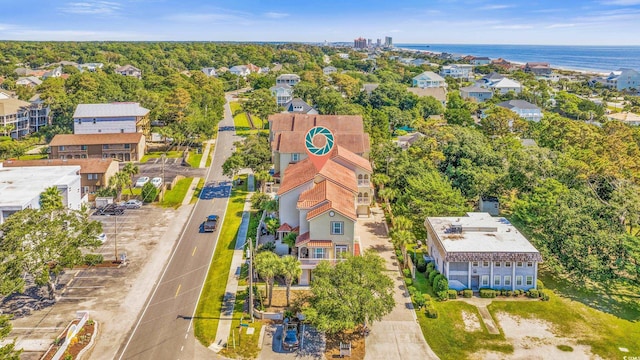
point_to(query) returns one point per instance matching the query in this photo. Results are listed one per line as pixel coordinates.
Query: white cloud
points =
(555, 26)
(275, 15)
(496, 7)
(621, 2)
(95, 8)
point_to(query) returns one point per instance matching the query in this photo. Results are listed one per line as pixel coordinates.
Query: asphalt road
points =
(164, 328)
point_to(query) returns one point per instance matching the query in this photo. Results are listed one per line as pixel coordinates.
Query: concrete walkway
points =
(398, 335)
(205, 153)
(229, 300)
(192, 188)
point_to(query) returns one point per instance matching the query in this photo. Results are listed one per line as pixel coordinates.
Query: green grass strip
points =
(174, 197)
(210, 303)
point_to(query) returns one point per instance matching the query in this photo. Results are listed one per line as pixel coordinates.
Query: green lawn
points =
(194, 159)
(158, 154)
(33, 157)
(196, 194)
(605, 333)
(210, 304)
(241, 122)
(246, 346)
(173, 198)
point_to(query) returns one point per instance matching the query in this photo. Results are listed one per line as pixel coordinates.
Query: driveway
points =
(398, 335)
(312, 344)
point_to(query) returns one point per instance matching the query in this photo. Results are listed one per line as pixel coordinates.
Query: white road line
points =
(186, 335)
(182, 348)
(85, 287)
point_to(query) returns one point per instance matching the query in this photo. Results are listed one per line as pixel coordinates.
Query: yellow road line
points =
(194, 251)
(177, 291)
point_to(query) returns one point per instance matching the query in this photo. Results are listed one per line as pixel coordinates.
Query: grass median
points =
(210, 303)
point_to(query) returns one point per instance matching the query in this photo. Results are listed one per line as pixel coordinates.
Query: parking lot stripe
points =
(194, 251)
(177, 291)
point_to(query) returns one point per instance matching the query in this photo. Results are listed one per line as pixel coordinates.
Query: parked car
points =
(156, 181)
(133, 204)
(210, 223)
(290, 338)
(111, 209)
(102, 237)
(141, 181)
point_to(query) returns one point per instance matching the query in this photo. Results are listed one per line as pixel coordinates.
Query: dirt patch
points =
(471, 322)
(76, 345)
(279, 298)
(356, 339)
(533, 339)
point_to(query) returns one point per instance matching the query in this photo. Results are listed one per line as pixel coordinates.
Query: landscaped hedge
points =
(452, 294)
(487, 293)
(421, 265)
(406, 272)
(408, 281)
(467, 293)
(432, 274)
(93, 259)
(539, 285)
(533, 293)
(430, 310)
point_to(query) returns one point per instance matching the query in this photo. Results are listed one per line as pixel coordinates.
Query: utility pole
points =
(250, 279)
(162, 186)
(115, 236)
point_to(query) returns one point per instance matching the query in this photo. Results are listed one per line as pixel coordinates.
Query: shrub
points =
(452, 294)
(412, 290)
(399, 256)
(431, 266)
(422, 265)
(442, 295)
(93, 259)
(467, 293)
(533, 293)
(427, 297)
(539, 285)
(430, 311)
(432, 275)
(487, 293)
(509, 293)
(149, 192)
(440, 283)
(408, 281)
(544, 296)
(406, 272)
(419, 300)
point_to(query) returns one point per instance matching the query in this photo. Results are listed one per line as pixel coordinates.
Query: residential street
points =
(164, 328)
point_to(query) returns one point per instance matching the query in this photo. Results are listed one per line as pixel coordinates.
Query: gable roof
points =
(429, 75)
(31, 79)
(297, 103)
(326, 195)
(293, 142)
(341, 152)
(437, 92)
(126, 68)
(506, 83)
(109, 110)
(475, 89)
(288, 77)
(305, 171)
(96, 139)
(87, 166)
(11, 106)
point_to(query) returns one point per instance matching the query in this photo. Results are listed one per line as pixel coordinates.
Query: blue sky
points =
(587, 22)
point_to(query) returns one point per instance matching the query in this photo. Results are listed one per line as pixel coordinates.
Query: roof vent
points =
(456, 228)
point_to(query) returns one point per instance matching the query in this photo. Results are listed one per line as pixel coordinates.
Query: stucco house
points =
(429, 79)
(480, 251)
(524, 109)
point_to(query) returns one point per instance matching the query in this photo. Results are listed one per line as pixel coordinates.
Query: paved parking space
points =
(312, 344)
(172, 168)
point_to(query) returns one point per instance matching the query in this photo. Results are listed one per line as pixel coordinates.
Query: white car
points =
(141, 181)
(156, 181)
(133, 204)
(102, 237)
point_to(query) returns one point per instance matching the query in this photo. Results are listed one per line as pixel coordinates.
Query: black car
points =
(111, 209)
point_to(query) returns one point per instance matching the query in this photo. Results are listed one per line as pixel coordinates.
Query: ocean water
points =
(589, 58)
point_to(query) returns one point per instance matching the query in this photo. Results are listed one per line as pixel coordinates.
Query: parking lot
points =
(146, 236)
(172, 168)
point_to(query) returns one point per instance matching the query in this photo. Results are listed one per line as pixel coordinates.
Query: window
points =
(60, 148)
(92, 176)
(337, 228)
(341, 251)
(94, 120)
(529, 264)
(519, 264)
(485, 264)
(497, 264)
(507, 264)
(318, 253)
(496, 280)
(127, 146)
(529, 280)
(295, 157)
(105, 147)
(474, 264)
(79, 121)
(507, 280)
(519, 280)
(83, 147)
(485, 280)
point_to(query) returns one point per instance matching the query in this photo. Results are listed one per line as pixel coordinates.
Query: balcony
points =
(311, 262)
(364, 183)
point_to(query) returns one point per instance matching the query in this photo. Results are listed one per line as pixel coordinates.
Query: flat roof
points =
(21, 185)
(109, 110)
(481, 233)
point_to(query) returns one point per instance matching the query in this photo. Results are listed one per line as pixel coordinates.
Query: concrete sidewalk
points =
(397, 335)
(226, 313)
(205, 152)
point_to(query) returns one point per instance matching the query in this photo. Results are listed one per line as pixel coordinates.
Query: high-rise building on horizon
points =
(388, 41)
(378, 42)
(360, 43)
(369, 43)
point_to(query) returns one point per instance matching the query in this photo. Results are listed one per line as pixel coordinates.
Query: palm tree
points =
(290, 270)
(119, 181)
(51, 199)
(268, 267)
(262, 177)
(388, 194)
(131, 170)
(380, 180)
(402, 223)
(402, 238)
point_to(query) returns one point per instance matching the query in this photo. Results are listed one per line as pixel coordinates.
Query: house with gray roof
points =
(524, 109)
(240, 70)
(479, 94)
(299, 106)
(289, 79)
(111, 118)
(31, 81)
(90, 66)
(209, 71)
(499, 83)
(328, 70)
(480, 251)
(429, 79)
(129, 70)
(283, 93)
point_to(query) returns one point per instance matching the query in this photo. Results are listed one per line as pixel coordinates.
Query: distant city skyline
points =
(571, 22)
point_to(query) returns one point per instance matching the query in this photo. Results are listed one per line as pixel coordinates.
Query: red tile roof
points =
(304, 171)
(293, 141)
(320, 243)
(325, 196)
(304, 122)
(302, 239)
(341, 152)
(96, 139)
(285, 227)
